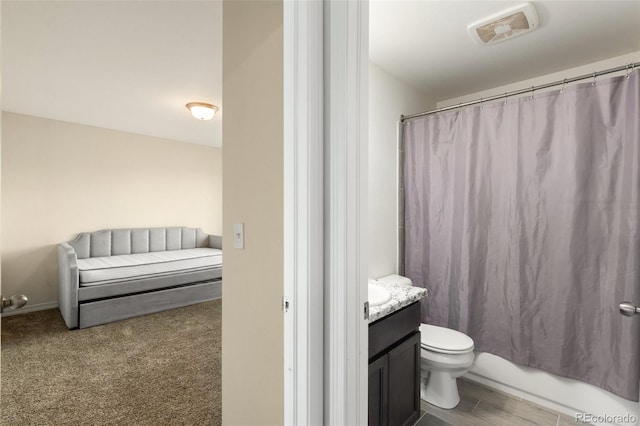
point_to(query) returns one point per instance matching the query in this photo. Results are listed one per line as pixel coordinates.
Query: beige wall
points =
(252, 317)
(60, 178)
(1, 288)
(388, 99)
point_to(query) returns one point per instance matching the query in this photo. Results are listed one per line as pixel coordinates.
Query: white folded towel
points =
(395, 279)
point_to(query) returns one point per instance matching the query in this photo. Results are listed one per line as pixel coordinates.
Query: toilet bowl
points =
(446, 354)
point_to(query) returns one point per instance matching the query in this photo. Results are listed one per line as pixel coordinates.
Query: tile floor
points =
(482, 406)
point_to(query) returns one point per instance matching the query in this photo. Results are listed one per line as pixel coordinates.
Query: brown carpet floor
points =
(160, 369)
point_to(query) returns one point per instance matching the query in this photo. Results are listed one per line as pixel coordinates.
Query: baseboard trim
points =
(30, 308)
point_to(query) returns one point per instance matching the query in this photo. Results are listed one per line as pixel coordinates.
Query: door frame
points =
(325, 163)
(303, 213)
(346, 263)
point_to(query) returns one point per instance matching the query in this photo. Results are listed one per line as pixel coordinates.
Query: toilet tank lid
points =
(444, 339)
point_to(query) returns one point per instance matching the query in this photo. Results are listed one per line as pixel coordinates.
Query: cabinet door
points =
(404, 382)
(378, 391)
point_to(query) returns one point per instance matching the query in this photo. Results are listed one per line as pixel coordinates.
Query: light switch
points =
(238, 236)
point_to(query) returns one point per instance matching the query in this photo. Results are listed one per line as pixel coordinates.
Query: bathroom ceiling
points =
(426, 43)
(124, 65)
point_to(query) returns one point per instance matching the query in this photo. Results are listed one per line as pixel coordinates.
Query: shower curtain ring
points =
(505, 98)
(629, 69)
(481, 105)
(593, 83)
(532, 89)
(564, 84)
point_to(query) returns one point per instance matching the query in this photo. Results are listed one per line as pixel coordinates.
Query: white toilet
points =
(446, 355)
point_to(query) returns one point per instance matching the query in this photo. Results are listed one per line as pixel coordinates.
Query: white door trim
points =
(326, 335)
(303, 211)
(346, 111)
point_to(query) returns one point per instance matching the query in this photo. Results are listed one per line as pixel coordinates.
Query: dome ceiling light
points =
(202, 110)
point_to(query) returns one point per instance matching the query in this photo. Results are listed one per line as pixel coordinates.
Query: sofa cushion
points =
(158, 239)
(100, 243)
(120, 242)
(108, 269)
(174, 239)
(140, 241)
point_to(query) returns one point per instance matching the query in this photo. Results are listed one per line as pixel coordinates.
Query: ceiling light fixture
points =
(202, 110)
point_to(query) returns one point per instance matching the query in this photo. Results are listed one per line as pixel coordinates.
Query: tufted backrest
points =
(113, 242)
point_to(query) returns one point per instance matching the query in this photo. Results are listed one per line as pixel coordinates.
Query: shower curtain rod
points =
(629, 67)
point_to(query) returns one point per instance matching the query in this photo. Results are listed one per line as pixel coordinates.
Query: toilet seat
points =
(444, 340)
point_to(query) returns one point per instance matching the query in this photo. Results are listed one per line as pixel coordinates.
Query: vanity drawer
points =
(391, 329)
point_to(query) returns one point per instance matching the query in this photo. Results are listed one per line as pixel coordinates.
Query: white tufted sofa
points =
(114, 274)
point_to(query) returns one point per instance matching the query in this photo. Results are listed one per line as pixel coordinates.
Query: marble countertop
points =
(401, 296)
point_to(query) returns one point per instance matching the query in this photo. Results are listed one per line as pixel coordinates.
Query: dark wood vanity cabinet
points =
(378, 391)
(394, 368)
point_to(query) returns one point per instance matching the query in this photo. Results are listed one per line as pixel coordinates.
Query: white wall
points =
(565, 395)
(388, 99)
(572, 72)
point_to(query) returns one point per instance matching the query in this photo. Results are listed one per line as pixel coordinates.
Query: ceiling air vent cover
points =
(504, 25)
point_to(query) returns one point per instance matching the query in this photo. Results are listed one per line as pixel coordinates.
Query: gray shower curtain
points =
(522, 219)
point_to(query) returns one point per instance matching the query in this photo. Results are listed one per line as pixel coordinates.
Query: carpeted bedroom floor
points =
(160, 369)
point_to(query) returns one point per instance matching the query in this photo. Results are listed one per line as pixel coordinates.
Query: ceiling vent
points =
(504, 25)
